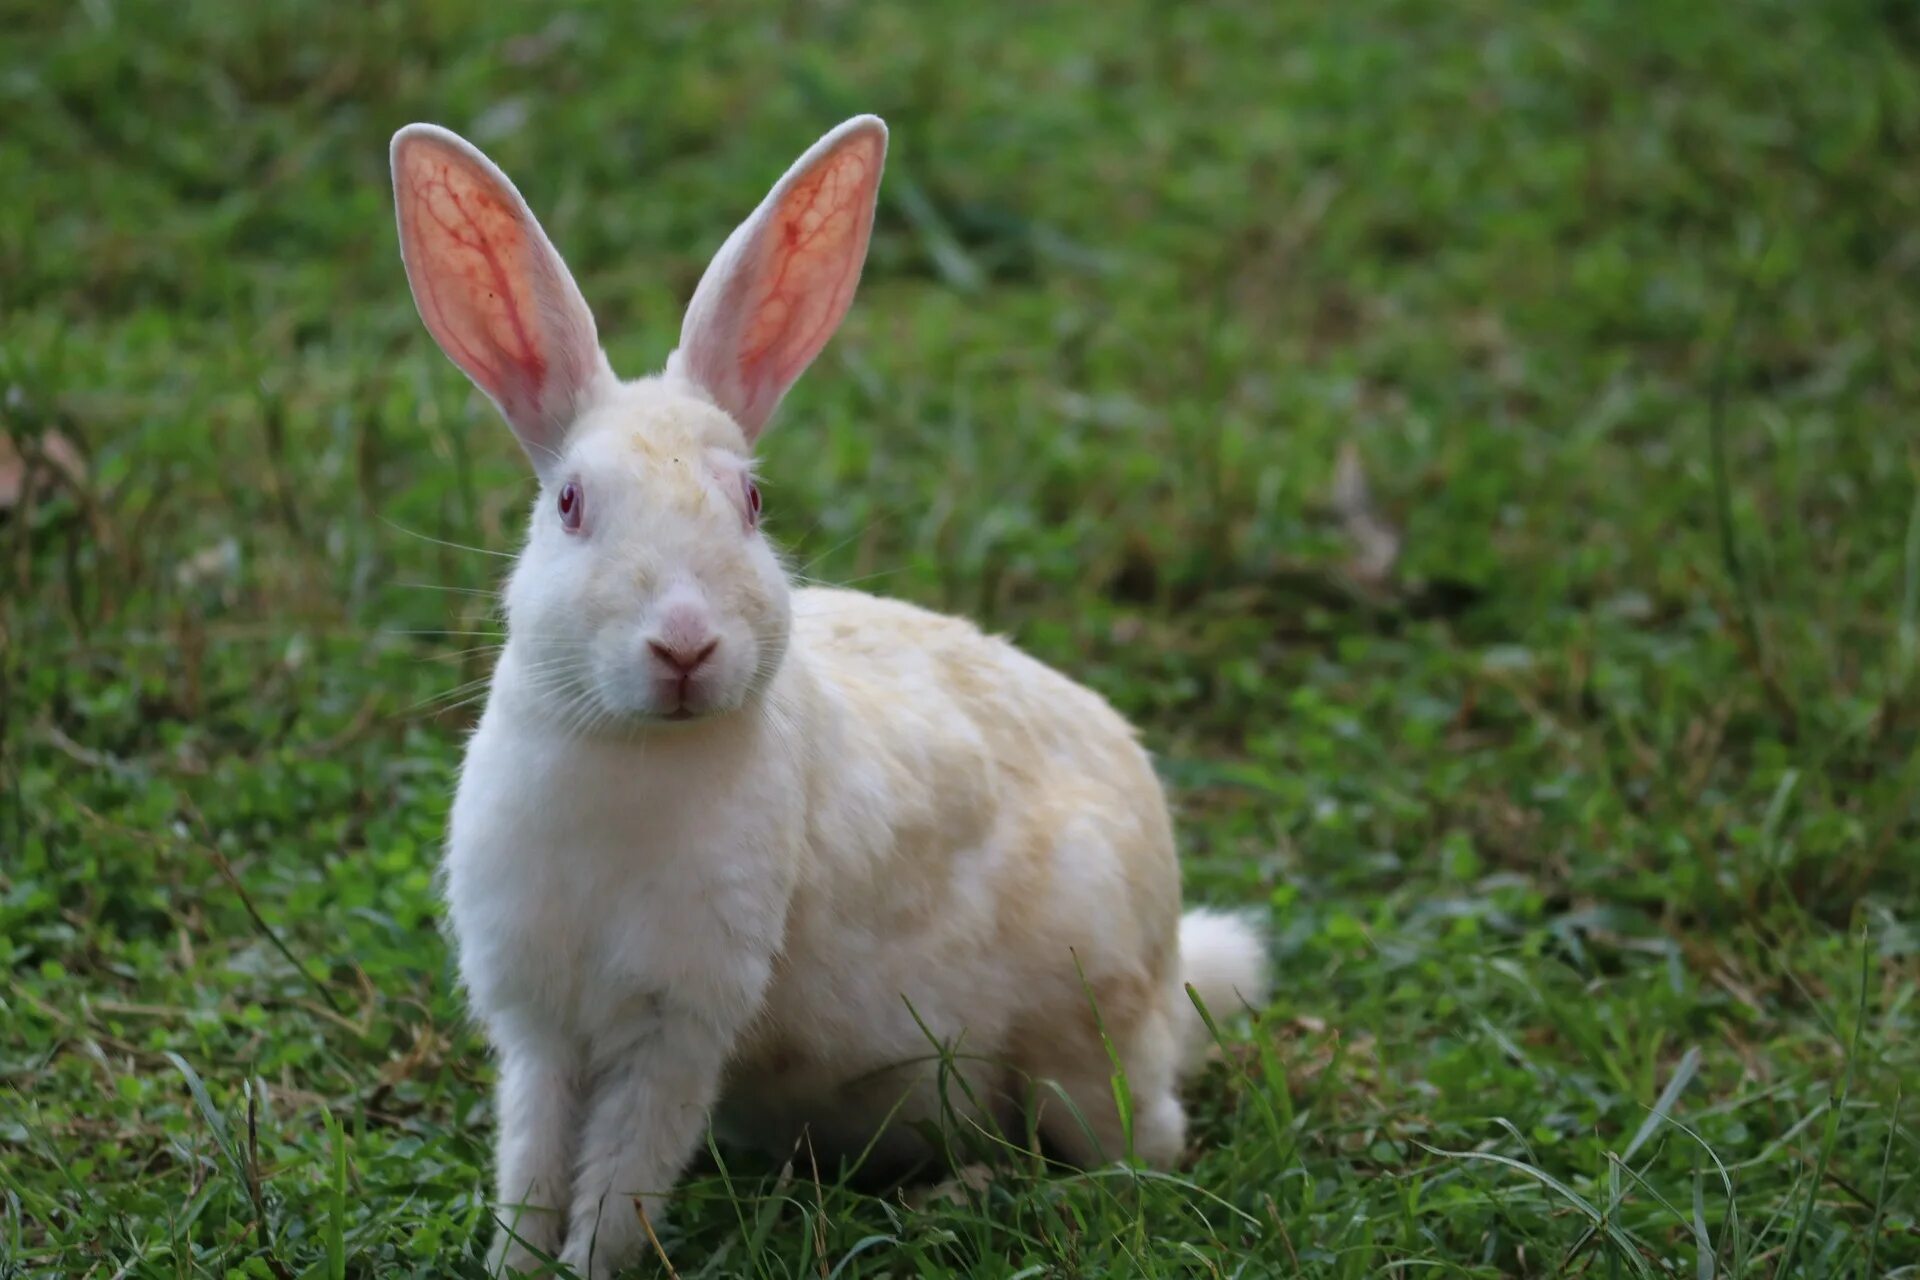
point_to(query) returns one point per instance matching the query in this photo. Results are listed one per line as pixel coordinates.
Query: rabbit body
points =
(789, 860)
(922, 838)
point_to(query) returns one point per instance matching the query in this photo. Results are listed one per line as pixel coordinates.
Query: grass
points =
(1590, 831)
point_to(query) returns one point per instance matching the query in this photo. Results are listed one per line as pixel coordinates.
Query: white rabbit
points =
(725, 848)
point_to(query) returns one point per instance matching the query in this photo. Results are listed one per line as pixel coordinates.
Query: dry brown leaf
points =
(55, 449)
(1376, 543)
(13, 474)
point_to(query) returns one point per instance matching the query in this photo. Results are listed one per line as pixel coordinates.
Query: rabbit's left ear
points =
(783, 281)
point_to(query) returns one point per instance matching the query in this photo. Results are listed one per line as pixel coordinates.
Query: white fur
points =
(880, 832)
(1224, 959)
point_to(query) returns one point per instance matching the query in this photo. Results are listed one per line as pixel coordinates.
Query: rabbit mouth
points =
(681, 699)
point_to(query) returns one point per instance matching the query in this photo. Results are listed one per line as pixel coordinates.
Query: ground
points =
(1475, 441)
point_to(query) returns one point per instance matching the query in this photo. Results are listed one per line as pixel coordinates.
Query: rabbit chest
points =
(587, 879)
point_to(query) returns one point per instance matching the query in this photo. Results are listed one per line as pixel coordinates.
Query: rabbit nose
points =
(685, 659)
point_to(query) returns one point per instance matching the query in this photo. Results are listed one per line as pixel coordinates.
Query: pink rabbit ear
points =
(491, 289)
(783, 281)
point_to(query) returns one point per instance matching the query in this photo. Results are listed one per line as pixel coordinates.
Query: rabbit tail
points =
(1223, 960)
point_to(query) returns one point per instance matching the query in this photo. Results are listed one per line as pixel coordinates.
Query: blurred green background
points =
(1476, 441)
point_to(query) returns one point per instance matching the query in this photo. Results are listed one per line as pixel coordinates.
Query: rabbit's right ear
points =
(491, 289)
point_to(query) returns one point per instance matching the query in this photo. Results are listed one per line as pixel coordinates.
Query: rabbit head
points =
(645, 592)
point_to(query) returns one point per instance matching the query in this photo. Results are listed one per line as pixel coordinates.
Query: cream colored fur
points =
(877, 825)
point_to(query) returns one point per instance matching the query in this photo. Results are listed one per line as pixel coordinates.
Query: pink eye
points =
(753, 503)
(571, 503)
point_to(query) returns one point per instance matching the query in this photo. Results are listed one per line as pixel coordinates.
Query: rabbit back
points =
(988, 866)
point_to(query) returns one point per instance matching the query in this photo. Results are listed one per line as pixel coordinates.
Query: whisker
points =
(883, 514)
(442, 542)
(438, 631)
(577, 711)
(564, 642)
(547, 676)
(784, 730)
(818, 517)
(849, 582)
(547, 449)
(459, 696)
(437, 586)
(460, 653)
